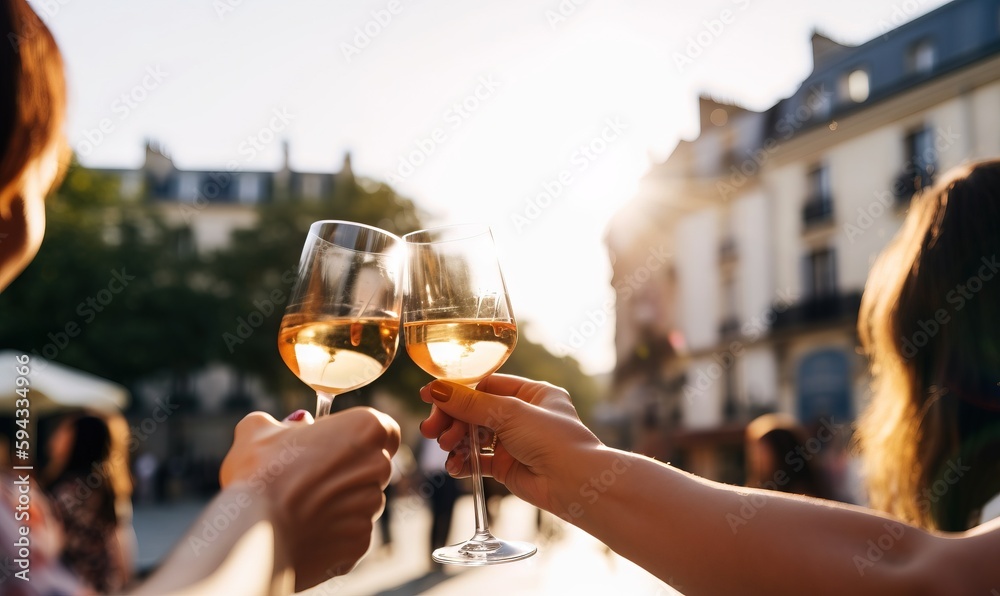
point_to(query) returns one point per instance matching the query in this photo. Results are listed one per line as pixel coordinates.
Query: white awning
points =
(52, 387)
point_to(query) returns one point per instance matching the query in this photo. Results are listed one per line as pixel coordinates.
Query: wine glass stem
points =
(478, 494)
(323, 402)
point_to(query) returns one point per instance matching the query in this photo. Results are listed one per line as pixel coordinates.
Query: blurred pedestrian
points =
(777, 458)
(441, 490)
(91, 490)
(146, 466)
(402, 466)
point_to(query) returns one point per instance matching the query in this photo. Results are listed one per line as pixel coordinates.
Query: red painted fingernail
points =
(296, 416)
(441, 392)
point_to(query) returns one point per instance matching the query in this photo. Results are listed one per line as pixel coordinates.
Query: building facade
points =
(223, 200)
(212, 204)
(773, 220)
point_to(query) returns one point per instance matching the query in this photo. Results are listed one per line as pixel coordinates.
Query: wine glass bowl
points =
(458, 326)
(341, 325)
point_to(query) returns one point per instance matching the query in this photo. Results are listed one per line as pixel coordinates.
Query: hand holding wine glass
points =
(458, 327)
(341, 324)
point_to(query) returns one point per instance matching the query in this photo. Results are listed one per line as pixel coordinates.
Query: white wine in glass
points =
(458, 327)
(341, 325)
(462, 351)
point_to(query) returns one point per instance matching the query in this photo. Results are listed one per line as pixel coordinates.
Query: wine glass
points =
(458, 326)
(341, 324)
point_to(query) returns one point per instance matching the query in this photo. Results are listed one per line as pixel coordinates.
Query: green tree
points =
(111, 291)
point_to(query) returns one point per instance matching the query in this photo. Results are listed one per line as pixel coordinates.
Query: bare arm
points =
(701, 536)
(296, 509)
(246, 557)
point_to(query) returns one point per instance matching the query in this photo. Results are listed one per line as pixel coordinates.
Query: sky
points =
(538, 117)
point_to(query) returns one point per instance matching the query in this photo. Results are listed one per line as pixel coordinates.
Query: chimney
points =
(825, 50)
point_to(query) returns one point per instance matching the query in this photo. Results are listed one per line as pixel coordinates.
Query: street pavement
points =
(568, 561)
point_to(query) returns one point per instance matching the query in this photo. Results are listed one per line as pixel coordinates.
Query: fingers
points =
(367, 425)
(455, 434)
(436, 423)
(474, 406)
(393, 434)
(459, 465)
(253, 423)
(241, 457)
(506, 384)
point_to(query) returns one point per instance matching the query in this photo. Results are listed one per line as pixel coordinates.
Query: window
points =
(921, 163)
(187, 188)
(161, 187)
(730, 324)
(855, 86)
(920, 151)
(819, 183)
(312, 186)
(249, 188)
(920, 57)
(217, 187)
(821, 273)
(818, 101)
(819, 203)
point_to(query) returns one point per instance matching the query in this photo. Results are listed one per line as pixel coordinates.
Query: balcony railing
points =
(816, 310)
(817, 210)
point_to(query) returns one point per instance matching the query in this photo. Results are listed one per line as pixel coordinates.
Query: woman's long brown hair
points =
(32, 94)
(930, 325)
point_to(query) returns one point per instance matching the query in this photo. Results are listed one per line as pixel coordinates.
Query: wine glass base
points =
(484, 552)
